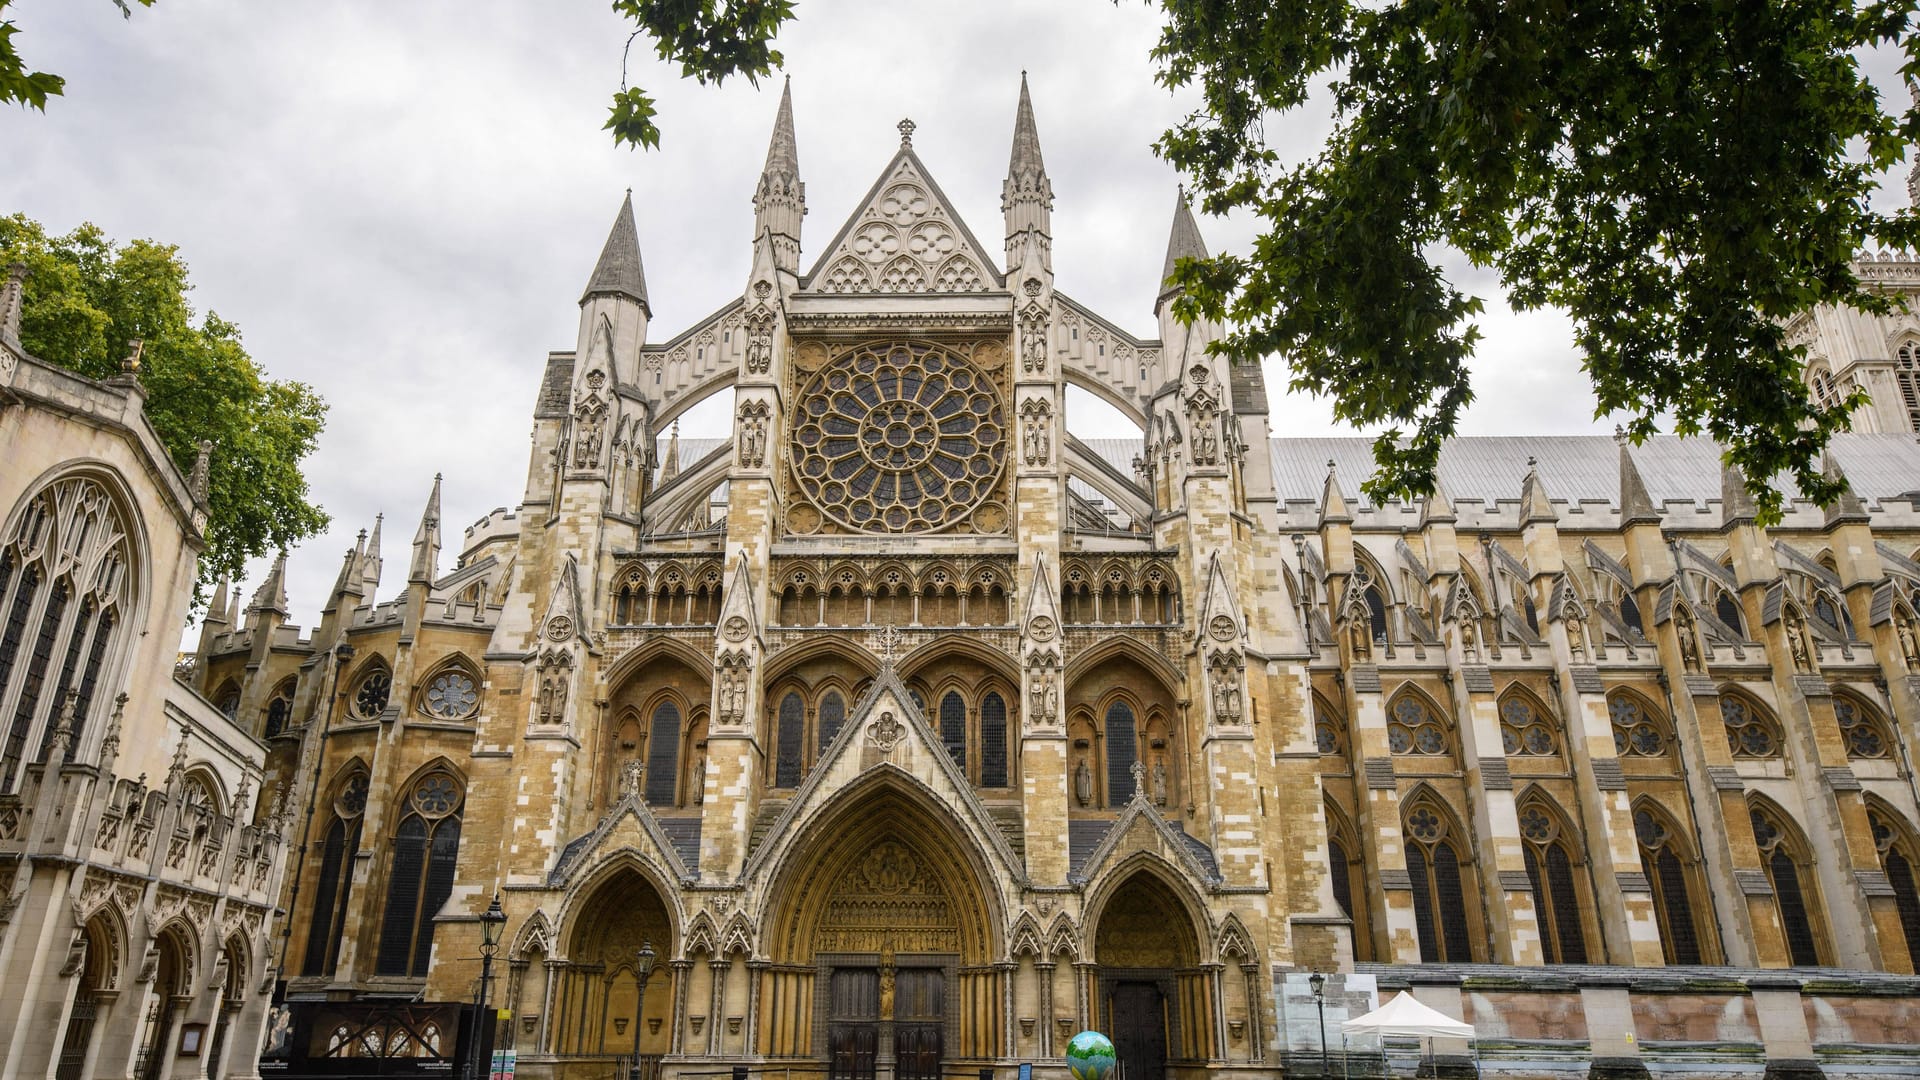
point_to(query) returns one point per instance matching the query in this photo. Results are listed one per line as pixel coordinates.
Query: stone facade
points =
(139, 863)
(913, 733)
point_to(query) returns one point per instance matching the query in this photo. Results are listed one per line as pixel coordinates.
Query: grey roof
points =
(619, 273)
(1583, 468)
(684, 834)
(1118, 453)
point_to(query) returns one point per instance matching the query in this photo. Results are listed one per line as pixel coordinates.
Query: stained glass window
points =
(452, 695)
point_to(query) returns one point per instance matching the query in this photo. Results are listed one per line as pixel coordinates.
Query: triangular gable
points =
(564, 619)
(628, 825)
(738, 621)
(884, 730)
(1219, 613)
(1148, 830)
(1041, 603)
(905, 238)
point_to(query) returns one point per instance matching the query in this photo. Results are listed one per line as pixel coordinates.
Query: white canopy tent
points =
(1407, 1018)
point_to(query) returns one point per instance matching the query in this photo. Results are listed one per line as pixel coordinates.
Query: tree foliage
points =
(86, 298)
(1681, 176)
(31, 89)
(709, 39)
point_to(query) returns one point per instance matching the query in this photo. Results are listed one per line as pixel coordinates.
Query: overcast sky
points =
(400, 203)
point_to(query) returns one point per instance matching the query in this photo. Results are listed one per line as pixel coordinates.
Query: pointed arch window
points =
(953, 727)
(833, 713)
(1789, 868)
(1907, 374)
(453, 694)
(1439, 889)
(1630, 613)
(1524, 730)
(1415, 728)
(1861, 728)
(1376, 613)
(1727, 610)
(1329, 733)
(1556, 897)
(342, 841)
(279, 710)
(1900, 858)
(1638, 731)
(1672, 887)
(425, 849)
(663, 754)
(789, 741)
(1123, 749)
(371, 692)
(1751, 733)
(1348, 878)
(993, 741)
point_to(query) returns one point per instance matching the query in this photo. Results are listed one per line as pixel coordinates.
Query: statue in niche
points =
(1083, 784)
(1576, 637)
(1226, 697)
(1159, 780)
(1796, 631)
(1046, 698)
(552, 702)
(732, 691)
(1469, 638)
(753, 434)
(630, 775)
(1359, 638)
(697, 776)
(1689, 639)
(1909, 638)
(588, 421)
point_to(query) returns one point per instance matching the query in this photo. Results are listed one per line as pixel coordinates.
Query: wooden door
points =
(1140, 1030)
(853, 1014)
(919, 1025)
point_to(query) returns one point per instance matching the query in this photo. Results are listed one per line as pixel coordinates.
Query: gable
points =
(904, 239)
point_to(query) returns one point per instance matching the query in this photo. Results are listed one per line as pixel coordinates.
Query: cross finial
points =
(890, 638)
(906, 132)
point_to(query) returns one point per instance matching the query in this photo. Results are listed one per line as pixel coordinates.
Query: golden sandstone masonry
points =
(907, 733)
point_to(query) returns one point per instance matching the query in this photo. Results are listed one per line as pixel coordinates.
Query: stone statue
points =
(1796, 631)
(1469, 639)
(630, 775)
(1909, 641)
(1159, 781)
(1359, 639)
(1083, 784)
(697, 777)
(1689, 641)
(586, 436)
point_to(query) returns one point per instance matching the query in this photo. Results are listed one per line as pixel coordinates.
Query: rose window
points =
(452, 695)
(899, 438)
(370, 699)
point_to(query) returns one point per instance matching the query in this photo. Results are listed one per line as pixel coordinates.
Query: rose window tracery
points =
(899, 437)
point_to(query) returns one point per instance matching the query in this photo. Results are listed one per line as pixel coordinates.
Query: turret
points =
(1026, 200)
(780, 199)
(426, 541)
(614, 309)
(370, 562)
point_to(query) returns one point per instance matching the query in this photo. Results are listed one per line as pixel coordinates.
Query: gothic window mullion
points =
(52, 617)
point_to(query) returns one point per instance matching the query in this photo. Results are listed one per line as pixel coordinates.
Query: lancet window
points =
(1349, 878)
(66, 580)
(426, 847)
(1670, 873)
(1638, 730)
(335, 883)
(279, 710)
(1549, 854)
(1900, 858)
(1862, 727)
(1525, 728)
(1789, 866)
(1751, 731)
(1435, 867)
(1907, 374)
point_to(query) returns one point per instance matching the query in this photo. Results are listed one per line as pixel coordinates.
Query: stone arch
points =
(816, 648)
(1063, 937)
(121, 497)
(1531, 711)
(595, 883)
(535, 935)
(1025, 937)
(1127, 647)
(624, 668)
(105, 932)
(702, 938)
(857, 837)
(1435, 713)
(1234, 941)
(1190, 931)
(621, 905)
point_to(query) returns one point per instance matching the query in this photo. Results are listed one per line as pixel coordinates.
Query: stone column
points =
(1396, 937)
(717, 969)
(682, 975)
(1513, 927)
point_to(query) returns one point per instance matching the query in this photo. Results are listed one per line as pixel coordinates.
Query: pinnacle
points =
(1025, 159)
(783, 153)
(619, 271)
(1635, 504)
(1184, 241)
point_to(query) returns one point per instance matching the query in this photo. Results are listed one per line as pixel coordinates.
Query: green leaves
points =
(32, 88)
(1676, 176)
(85, 298)
(709, 40)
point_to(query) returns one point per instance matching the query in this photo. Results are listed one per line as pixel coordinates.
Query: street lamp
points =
(1318, 981)
(642, 971)
(491, 922)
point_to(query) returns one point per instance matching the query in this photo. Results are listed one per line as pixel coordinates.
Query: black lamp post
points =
(1318, 981)
(642, 971)
(491, 922)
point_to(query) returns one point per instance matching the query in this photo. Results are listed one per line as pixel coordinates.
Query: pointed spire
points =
(349, 579)
(1026, 199)
(217, 609)
(1847, 508)
(1534, 503)
(370, 560)
(780, 199)
(1736, 506)
(1436, 507)
(1636, 505)
(1333, 503)
(619, 273)
(670, 468)
(271, 596)
(233, 611)
(1182, 243)
(426, 542)
(1025, 162)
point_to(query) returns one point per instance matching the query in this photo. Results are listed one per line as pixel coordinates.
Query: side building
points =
(139, 865)
(905, 732)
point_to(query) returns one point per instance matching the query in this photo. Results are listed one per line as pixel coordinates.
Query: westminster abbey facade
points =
(908, 734)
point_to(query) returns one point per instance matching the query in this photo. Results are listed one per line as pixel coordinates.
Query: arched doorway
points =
(597, 987)
(882, 941)
(168, 999)
(1154, 1000)
(95, 983)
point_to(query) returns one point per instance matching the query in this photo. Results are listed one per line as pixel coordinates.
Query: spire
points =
(233, 611)
(1736, 506)
(1534, 503)
(670, 468)
(271, 596)
(350, 563)
(217, 609)
(619, 273)
(1026, 199)
(1182, 243)
(1845, 509)
(370, 561)
(426, 542)
(1636, 505)
(780, 199)
(1436, 507)
(1333, 504)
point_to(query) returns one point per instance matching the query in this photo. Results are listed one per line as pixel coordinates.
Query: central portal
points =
(903, 1010)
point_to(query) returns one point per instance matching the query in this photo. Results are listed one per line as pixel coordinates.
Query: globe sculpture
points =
(1090, 1056)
